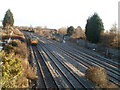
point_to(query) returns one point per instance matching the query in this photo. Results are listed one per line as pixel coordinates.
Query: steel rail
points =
(80, 80)
(59, 72)
(113, 78)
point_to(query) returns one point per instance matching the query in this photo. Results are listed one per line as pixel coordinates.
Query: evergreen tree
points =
(8, 19)
(93, 28)
(70, 30)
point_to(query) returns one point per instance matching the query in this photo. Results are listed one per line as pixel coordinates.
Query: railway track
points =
(59, 70)
(92, 53)
(45, 75)
(75, 80)
(58, 76)
(87, 62)
(107, 66)
(45, 79)
(40, 82)
(113, 73)
(113, 65)
(64, 78)
(88, 53)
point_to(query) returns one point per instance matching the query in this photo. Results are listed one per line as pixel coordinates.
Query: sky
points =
(60, 13)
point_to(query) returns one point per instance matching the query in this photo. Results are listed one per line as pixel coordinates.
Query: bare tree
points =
(62, 30)
(78, 33)
(114, 28)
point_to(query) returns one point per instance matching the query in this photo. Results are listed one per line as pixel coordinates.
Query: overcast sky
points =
(60, 13)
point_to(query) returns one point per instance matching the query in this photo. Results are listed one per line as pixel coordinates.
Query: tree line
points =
(93, 29)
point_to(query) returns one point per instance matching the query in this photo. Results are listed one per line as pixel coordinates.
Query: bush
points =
(29, 72)
(14, 43)
(63, 30)
(11, 70)
(21, 49)
(111, 40)
(97, 76)
(8, 48)
(78, 33)
(70, 30)
(16, 70)
(55, 38)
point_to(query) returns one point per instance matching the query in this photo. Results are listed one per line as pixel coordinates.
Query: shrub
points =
(8, 48)
(15, 71)
(63, 30)
(21, 49)
(22, 82)
(70, 30)
(29, 72)
(14, 43)
(78, 33)
(111, 40)
(97, 76)
(55, 38)
(11, 70)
